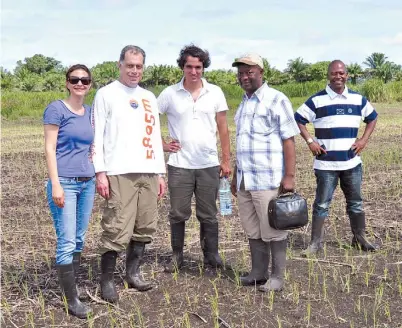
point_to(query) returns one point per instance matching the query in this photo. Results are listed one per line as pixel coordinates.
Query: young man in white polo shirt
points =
(336, 113)
(195, 110)
(129, 161)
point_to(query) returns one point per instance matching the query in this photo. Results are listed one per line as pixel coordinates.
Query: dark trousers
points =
(327, 181)
(183, 183)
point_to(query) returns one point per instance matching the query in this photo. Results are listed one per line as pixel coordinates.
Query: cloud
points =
(395, 40)
(207, 14)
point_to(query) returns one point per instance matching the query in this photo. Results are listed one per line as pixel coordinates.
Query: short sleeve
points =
(306, 112)
(369, 114)
(163, 102)
(287, 125)
(52, 115)
(222, 104)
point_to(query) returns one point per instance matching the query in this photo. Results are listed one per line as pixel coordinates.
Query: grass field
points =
(341, 288)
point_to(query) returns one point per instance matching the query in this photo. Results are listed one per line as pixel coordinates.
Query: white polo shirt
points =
(193, 123)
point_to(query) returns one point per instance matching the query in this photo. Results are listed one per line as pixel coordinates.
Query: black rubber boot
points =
(358, 225)
(317, 237)
(135, 254)
(211, 237)
(69, 290)
(177, 232)
(108, 287)
(259, 264)
(76, 264)
(202, 242)
(276, 281)
(76, 261)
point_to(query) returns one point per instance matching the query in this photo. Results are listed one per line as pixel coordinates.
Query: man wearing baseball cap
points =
(265, 167)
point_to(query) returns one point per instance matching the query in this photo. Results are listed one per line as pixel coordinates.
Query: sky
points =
(94, 31)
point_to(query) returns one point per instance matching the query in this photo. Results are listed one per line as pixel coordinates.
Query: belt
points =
(82, 179)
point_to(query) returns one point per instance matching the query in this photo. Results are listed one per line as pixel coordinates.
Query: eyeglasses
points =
(75, 80)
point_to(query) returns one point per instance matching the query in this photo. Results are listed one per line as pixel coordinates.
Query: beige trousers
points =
(253, 210)
(131, 212)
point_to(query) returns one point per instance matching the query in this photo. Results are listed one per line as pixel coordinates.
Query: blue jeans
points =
(327, 181)
(71, 221)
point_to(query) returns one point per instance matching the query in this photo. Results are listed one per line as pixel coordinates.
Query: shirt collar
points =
(259, 93)
(205, 84)
(332, 94)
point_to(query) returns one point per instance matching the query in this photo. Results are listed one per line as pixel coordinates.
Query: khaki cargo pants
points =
(131, 212)
(253, 212)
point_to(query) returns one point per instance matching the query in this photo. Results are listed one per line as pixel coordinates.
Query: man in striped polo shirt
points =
(336, 113)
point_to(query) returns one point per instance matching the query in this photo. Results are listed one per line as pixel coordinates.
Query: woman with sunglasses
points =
(71, 185)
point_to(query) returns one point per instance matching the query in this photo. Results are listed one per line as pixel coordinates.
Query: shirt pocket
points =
(262, 124)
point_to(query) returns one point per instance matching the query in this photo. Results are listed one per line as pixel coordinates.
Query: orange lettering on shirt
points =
(149, 120)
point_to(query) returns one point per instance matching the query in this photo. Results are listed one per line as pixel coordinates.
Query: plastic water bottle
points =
(225, 197)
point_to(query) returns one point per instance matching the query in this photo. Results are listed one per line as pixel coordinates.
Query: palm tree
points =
(297, 68)
(375, 60)
(354, 71)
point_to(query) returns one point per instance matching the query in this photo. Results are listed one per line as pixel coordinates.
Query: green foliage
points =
(103, 73)
(298, 70)
(305, 89)
(318, 71)
(38, 80)
(7, 79)
(355, 71)
(39, 64)
(375, 91)
(375, 60)
(16, 104)
(379, 67)
(161, 75)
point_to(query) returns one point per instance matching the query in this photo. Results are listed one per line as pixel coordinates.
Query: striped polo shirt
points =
(336, 119)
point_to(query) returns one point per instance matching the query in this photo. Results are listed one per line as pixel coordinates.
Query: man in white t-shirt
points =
(129, 164)
(196, 110)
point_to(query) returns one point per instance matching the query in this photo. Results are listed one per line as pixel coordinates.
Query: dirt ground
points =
(341, 288)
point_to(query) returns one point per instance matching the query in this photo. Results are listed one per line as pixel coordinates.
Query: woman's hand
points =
(58, 195)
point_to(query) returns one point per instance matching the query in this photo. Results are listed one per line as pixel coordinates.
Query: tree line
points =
(42, 73)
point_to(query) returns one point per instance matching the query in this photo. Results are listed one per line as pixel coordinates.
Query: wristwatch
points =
(309, 141)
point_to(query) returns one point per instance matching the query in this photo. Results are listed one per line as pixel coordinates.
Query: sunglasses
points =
(75, 80)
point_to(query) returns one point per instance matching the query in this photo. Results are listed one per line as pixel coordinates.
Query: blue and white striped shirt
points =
(336, 119)
(262, 122)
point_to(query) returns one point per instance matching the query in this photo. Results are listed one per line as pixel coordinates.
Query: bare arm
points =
(171, 147)
(288, 181)
(225, 142)
(51, 132)
(360, 144)
(315, 148)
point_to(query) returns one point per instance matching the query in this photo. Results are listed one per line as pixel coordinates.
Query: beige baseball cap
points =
(249, 59)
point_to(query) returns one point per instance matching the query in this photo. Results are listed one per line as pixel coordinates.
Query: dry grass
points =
(344, 288)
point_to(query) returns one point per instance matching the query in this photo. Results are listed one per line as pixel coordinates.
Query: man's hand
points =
(225, 170)
(287, 184)
(102, 185)
(161, 187)
(172, 147)
(316, 149)
(58, 195)
(359, 145)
